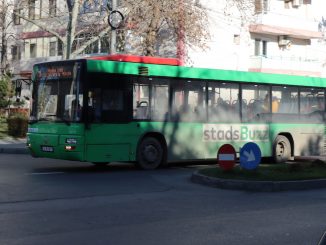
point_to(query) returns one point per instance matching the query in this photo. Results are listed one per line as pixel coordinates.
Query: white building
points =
(274, 36)
(281, 36)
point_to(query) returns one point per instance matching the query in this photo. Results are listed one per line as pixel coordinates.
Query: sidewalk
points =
(13, 146)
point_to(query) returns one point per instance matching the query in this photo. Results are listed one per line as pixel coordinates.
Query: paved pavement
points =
(13, 146)
(18, 146)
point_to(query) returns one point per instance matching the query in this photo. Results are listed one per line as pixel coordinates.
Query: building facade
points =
(273, 36)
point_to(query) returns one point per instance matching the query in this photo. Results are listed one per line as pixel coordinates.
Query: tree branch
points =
(44, 28)
(82, 48)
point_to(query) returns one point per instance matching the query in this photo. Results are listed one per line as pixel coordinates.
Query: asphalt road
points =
(46, 201)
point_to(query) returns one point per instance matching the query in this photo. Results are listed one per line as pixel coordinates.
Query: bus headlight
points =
(70, 147)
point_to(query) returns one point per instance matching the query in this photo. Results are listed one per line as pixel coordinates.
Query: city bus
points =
(152, 111)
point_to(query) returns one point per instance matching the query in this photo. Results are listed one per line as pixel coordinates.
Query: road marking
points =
(45, 173)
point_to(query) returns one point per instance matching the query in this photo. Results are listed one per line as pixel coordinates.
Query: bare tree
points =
(162, 24)
(69, 21)
(5, 34)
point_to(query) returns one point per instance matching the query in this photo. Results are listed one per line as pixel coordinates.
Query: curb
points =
(258, 186)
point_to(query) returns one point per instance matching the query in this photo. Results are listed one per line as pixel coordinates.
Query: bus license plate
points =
(47, 148)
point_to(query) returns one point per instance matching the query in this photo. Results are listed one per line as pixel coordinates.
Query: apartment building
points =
(275, 36)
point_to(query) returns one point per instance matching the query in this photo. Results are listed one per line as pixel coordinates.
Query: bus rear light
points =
(70, 148)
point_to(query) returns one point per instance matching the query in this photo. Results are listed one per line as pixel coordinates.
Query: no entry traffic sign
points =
(226, 157)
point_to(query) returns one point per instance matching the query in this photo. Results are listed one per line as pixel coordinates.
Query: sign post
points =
(226, 157)
(250, 156)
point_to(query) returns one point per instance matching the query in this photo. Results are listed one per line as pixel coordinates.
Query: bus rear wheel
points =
(281, 149)
(150, 153)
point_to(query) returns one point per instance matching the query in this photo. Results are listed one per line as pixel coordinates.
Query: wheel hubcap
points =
(280, 149)
(150, 153)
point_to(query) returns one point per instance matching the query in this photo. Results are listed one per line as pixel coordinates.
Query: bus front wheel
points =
(150, 153)
(281, 149)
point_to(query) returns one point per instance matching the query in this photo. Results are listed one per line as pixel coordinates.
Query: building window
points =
(17, 19)
(236, 39)
(53, 48)
(260, 47)
(31, 9)
(32, 50)
(261, 6)
(52, 7)
(15, 53)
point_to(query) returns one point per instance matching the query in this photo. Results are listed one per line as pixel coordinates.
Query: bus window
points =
(285, 100)
(188, 101)
(160, 100)
(311, 100)
(258, 99)
(223, 102)
(140, 101)
(112, 100)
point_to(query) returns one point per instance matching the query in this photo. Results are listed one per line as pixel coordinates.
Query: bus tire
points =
(150, 153)
(281, 149)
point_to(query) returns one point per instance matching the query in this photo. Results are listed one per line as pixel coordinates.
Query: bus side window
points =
(140, 101)
(160, 101)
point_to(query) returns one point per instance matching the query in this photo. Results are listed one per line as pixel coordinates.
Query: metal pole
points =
(113, 32)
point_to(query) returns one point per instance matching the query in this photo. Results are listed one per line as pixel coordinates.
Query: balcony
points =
(277, 24)
(286, 65)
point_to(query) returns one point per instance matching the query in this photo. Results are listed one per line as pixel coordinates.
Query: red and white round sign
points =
(226, 157)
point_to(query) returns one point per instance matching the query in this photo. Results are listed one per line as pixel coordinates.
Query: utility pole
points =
(113, 49)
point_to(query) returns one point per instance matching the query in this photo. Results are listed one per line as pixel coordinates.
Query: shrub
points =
(17, 125)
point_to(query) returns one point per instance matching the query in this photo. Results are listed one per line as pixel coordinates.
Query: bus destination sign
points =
(55, 72)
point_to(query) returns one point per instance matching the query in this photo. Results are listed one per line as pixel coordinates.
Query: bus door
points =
(109, 103)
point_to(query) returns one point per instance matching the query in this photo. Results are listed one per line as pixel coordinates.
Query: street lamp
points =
(115, 19)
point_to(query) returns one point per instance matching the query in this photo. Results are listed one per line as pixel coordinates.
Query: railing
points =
(277, 19)
(288, 63)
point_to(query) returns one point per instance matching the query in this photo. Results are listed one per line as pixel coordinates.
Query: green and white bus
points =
(152, 111)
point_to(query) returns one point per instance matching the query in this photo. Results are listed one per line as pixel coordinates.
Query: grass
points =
(3, 128)
(272, 172)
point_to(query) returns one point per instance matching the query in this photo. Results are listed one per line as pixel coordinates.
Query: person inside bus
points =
(275, 104)
(266, 104)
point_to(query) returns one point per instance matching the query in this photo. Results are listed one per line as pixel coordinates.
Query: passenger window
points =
(141, 101)
(223, 102)
(258, 101)
(160, 100)
(311, 100)
(188, 101)
(112, 100)
(285, 100)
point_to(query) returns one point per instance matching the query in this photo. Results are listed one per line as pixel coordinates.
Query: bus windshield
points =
(57, 92)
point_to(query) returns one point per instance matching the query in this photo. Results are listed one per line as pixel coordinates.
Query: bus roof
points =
(131, 68)
(139, 59)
